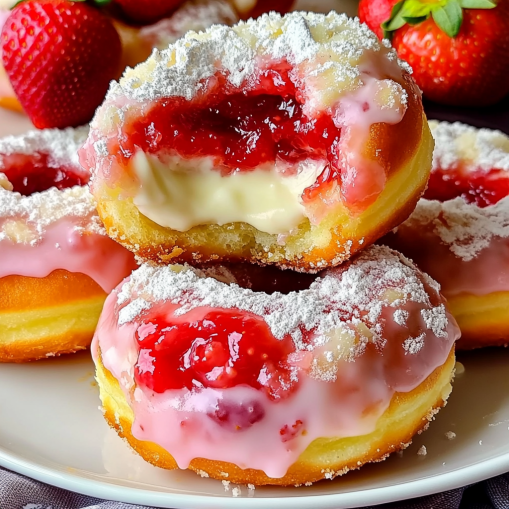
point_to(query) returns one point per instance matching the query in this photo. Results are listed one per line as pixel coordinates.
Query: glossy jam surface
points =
(478, 187)
(240, 130)
(221, 350)
(34, 173)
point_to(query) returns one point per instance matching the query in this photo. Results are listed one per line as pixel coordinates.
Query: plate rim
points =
(396, 492)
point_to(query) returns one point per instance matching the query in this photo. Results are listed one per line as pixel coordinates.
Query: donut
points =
(196, 372)
(293, 141)
(459, 232)
(197, 15)
(56, 262)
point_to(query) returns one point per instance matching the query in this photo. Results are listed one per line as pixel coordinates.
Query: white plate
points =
(51, 430)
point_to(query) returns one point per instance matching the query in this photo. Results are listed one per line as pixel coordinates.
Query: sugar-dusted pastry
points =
(56, 262)
(250, 387)
(459, 234)
(294, 141)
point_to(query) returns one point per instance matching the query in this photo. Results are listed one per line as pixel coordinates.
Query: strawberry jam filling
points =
(222, 349)
(35, 173)
(478, 187)
(239, 130)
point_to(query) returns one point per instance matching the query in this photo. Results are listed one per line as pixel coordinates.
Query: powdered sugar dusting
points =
(60, 145)
(350, 299)
(29, 216)
(462, 145)
(240, 51)
(194, 15)
(465, 228)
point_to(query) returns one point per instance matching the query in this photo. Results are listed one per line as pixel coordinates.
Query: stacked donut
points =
(56, 262)
(288, 142)
(459, 233)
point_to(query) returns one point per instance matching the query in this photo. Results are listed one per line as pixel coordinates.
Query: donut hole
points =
(262, 279)
(480, 187)
(38, 171)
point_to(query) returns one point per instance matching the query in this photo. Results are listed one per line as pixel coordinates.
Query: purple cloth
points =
(19, 492)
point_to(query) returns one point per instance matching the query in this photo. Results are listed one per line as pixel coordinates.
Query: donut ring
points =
(56, 262)
(459, 234)
(299, 173)
(285, 389)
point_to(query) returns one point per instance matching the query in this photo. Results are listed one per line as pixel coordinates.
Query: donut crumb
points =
(422, 451)
(450, 435)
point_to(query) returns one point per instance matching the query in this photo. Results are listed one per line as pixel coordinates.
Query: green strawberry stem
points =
(447, 14)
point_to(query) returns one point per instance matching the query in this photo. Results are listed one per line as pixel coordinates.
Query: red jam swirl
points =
(34, 173)
(221, 350)
(482, 188)
(241, 130)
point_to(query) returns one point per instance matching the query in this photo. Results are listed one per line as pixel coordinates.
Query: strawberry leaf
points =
(417, 9)
(449, 18)
(477, 4)
(394, 22)
(415, 21)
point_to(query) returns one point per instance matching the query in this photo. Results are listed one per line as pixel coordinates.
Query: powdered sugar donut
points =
(56, 262)
(459, 234)
(292, 140)
(197, 372)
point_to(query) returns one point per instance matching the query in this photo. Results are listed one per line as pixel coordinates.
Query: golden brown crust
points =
(408, 414)
(41, 317)
(482, 319)
(310, 248)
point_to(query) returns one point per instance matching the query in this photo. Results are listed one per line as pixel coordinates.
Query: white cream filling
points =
(183, 193)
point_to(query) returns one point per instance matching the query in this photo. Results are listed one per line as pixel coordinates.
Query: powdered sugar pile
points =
(341, 299)
(40, 210)
(462, 145)
(194, 15)
(465, 228)
(239, 51)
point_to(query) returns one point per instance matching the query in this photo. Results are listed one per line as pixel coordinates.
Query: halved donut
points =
(294, 141)
(251, 387)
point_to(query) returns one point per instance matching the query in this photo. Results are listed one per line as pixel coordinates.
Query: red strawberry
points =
(375, 12)
(459, 55)
(60, 57)
(147, 11)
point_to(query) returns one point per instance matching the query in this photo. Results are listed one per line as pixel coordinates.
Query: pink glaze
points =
(486, 273)
(66, 245)
(346, 404)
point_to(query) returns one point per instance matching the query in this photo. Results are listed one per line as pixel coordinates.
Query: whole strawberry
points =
(60, 57)
(458, 49)
(147, 11)
(375, 12)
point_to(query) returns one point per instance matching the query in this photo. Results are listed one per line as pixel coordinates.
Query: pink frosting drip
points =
(350, 405)
(67, 246)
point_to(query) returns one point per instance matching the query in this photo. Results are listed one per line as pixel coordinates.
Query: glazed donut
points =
(293, 141)
(250, 387)
(459, 234)
(56, 262)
